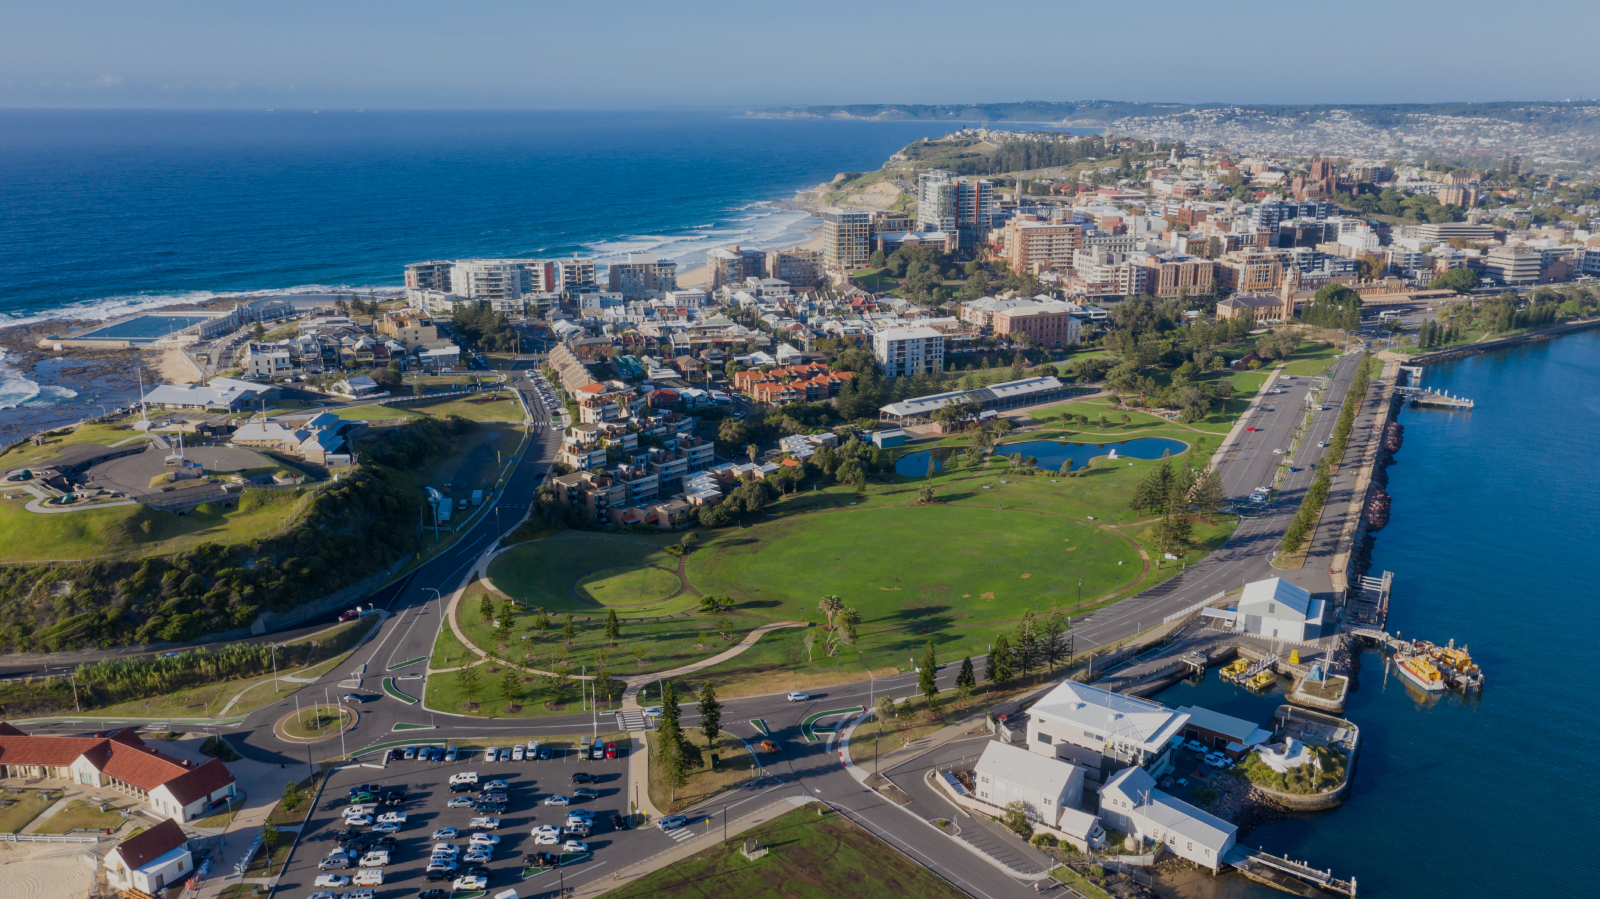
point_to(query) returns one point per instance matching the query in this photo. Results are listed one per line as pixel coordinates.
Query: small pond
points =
(1052, 454)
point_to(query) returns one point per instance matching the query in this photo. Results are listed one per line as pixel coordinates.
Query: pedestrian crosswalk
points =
(632, 720)
(681, 834)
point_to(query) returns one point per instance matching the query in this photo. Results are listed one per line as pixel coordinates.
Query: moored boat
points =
(1420, 672)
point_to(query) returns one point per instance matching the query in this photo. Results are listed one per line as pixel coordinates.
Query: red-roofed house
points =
(146, 864)
(122, 761)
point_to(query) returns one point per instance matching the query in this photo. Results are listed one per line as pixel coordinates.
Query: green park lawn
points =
(810, 857)
(1312, 360)
(84, 814)
(89, 533)
(26, 453)
(18, 808)
(585, 576)
(937, 565)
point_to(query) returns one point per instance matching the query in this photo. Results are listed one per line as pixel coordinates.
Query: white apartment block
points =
(908, 351)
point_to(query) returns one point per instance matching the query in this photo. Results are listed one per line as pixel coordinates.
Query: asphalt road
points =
(414, 606)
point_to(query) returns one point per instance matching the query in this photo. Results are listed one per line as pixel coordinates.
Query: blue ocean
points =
(105, 212)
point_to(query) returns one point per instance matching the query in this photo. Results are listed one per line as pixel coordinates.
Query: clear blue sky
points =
(621, 54)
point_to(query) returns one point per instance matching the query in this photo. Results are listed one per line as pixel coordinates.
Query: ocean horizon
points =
(110, 212)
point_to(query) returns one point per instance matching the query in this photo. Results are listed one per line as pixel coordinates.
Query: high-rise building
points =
(1031, 242)
(846, 242)
(795, 265)
(643, 274)
(731, 265)
(433, 275)
(1514, 265)
(489, 280)
(961, 206)
(908, 351)
(1173, 274)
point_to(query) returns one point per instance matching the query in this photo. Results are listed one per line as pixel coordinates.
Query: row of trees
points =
(678, 756)
(1333, 306)
(1304, 522)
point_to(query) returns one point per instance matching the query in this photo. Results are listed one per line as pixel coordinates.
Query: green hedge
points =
(1305, 520)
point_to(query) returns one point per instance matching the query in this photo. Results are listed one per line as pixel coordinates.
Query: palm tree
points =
(751, 452)
(830, 605)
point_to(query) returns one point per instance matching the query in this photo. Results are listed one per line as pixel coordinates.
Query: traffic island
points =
(315, 724)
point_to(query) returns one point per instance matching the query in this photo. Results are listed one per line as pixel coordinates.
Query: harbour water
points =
(1490, 538)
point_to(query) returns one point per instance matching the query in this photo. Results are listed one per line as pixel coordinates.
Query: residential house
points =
(1050, 790)
(1130, 803)
(148, 863)
(1103, 731)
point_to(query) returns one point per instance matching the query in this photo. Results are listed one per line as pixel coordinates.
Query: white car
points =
(358, 820)
(445, 833)
(491, 754)
(486, 839)
(1258, 497)
(798, 696)
(1322, 443)
(1277, 452)
(545, 838)
(331, 880)
(1218, 760)
(575, 846)
(470, 882)
(516, 753)
(465, 777)
(461, 802)
(557, 800)
(1194, 746)
(493, 785)
(392, 818)
(446, 849)
(479, 857)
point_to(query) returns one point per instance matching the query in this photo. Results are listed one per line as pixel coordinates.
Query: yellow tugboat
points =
(1262, 680)
(1420, 672)
(1234, 669)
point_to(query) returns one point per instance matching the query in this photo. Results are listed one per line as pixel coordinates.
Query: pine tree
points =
(1208, 491)
(1026, 655)
(467, 680)
(965, 677)
(669, 738)
(613, 627)
(710, 713)
(486, 607)
(571, 630)
(1053, 639)
(927, 677)
(998, 671)
(511, 686)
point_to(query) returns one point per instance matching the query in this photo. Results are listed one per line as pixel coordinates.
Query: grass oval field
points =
(621, 586)
(585, 576)
(925, 566)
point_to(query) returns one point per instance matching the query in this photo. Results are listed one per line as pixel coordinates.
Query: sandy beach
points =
(173, 367)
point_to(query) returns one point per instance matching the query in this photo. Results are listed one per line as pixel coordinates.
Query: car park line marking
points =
(389, 688)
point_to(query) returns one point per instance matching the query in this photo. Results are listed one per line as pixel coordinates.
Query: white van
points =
(465, 777)
(378, 858)
(369, 877)
(362, 894)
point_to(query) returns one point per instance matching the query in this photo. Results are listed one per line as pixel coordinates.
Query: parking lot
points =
(427, 792)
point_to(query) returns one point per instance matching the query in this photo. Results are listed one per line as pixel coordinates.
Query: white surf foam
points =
(107, 308)
(16, 389)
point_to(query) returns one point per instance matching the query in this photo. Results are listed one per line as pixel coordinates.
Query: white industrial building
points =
(1277, 609)
(1130, 803)
(1049, 789)
(1103, 731)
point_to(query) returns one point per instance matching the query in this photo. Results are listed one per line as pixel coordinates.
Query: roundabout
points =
(315, 724)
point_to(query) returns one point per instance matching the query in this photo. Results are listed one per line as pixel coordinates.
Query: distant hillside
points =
(1557, 134)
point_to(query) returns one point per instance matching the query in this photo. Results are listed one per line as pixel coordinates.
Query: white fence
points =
(45, 838)
(1184, 613)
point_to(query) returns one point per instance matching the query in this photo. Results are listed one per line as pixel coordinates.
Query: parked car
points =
(464, 788)
(585, 793)
(359, 820)
(479, 857)
(495, 785)
(1194, 746)
(396, 755)
(331, 880)
(411, 753)
(541, 860)
(334, 861)
(798, 696)
(392, 818)
(491, 754)
(517, 753)
(485, 823)
(611, 750)
(387, 827)
(671, 822)
(464, 777)
(348, 615)
(584, 777)
(583, 813)
(363, 796)
(487, 839)
(461, 802)
(575, 847)
(375, 860)
(353, 697)
(440, 872)
(557, 799)
(446, 849)
(619, 821)
(470, 882)
(450, 753)
(433, 894)
(394, 797)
